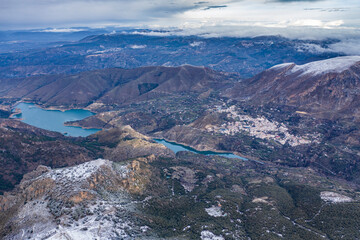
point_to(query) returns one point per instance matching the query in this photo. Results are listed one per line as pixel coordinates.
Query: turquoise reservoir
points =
(53, 120)
(175, 147)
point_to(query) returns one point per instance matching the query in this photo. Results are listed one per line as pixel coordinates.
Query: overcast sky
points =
(306, 18)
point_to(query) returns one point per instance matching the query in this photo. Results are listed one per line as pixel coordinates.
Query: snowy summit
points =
(337, 65)
(332, 65)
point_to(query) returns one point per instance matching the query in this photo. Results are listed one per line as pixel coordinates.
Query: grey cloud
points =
(40, 13)
(347, 46)
(49, 13)
(20, 14)
(218, 6)
(290, 1)
(254, 31)
(199, 3)
(327, 9)
(348, 41)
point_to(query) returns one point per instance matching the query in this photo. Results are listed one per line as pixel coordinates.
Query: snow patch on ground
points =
(79, 172)
(106, 215)
(110, 50)
(335, 65)
(207, 235)
(104, 223)
(215, 211)
(334, 197)
(261, 200)
(196, 44)
(122, 170)
(38, 210)
(108, 220)
(283, 65)
(137, 46)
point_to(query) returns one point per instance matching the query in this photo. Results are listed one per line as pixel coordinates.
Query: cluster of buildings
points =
(259, 127)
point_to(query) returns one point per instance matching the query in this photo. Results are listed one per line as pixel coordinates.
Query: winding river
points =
(175, 147)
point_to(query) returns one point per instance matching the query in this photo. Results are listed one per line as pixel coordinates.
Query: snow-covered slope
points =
(281, 66)
(86, 201)
(332, 65)
(336, 65)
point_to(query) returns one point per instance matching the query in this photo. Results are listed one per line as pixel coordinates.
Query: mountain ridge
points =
(246, 56)
(116, 85)
(324, 88)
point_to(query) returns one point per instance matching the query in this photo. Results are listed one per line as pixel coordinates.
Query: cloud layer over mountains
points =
(326, 14)
(309, 19)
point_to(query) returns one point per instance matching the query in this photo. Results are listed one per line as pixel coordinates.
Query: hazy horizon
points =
(295, 19)
(312, 18)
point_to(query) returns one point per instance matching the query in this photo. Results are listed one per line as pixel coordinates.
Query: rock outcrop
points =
(125, 143)
(88, 201)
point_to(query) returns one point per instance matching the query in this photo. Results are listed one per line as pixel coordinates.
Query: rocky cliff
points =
(88, 201)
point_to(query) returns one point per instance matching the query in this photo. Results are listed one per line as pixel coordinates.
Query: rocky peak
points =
(84, 200)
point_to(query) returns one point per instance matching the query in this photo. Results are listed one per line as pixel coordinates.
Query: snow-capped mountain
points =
(332, 65)
(327, 88)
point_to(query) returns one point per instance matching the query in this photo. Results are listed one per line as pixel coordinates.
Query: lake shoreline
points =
(197, 150)
(53, 119)
(210, 151)
(206, 152)
(51, 108)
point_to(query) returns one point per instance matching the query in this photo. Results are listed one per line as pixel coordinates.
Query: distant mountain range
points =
(246, 56)
(24, 40)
